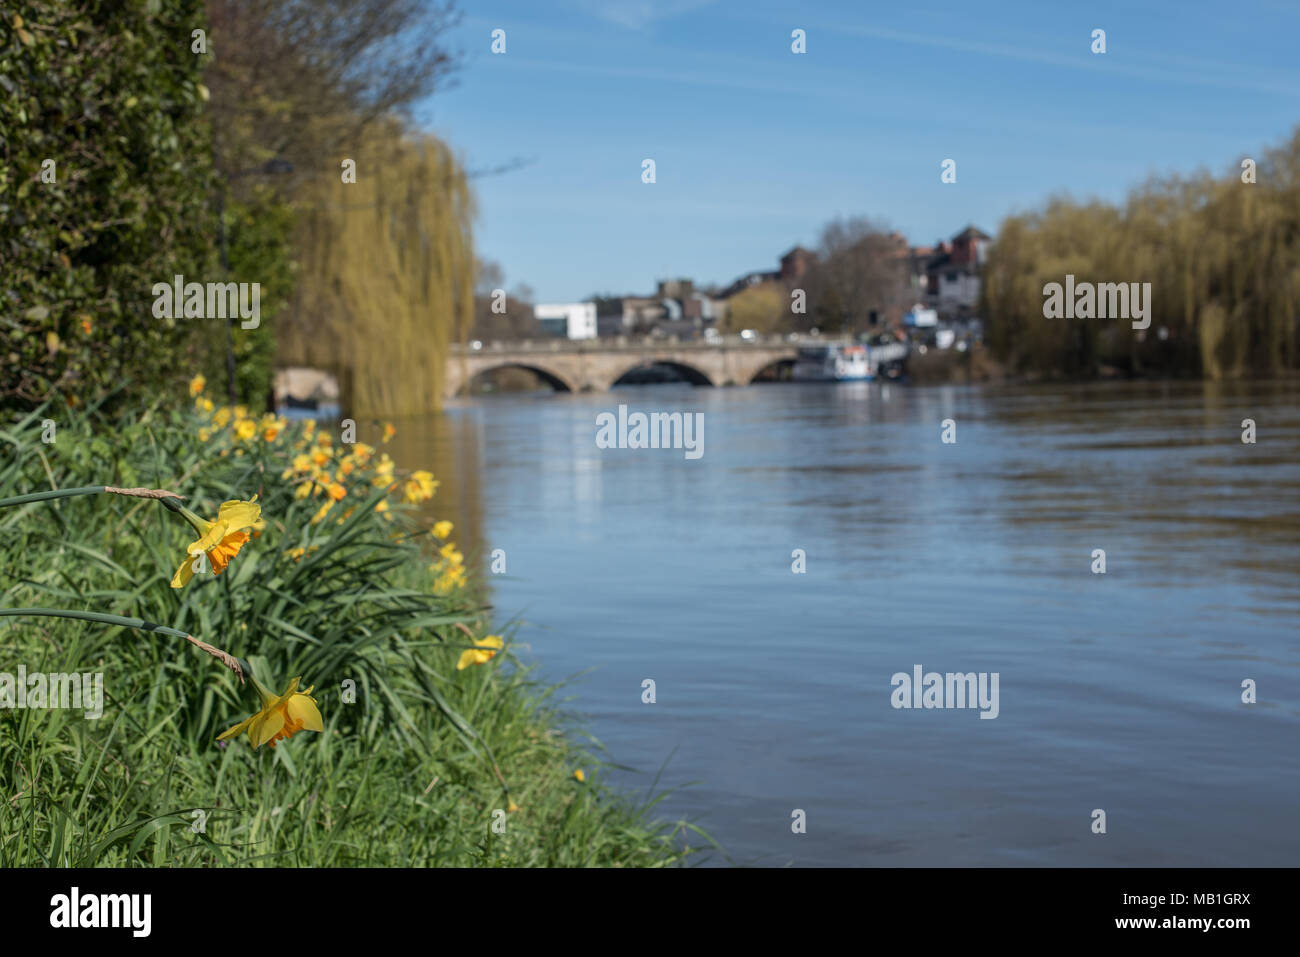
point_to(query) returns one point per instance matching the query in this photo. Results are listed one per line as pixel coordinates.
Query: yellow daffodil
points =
(282, 716)
(337, 491)
(197, 384)
(389, 431)
(484, 651)
(245, 429)
(442, 529)
(384, 471)
(420, 487)
(450, 579)
(271, 431)
(512, 807)
(580, 775)
(220, 540)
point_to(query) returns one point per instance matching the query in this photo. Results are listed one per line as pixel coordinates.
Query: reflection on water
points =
(1119, 691)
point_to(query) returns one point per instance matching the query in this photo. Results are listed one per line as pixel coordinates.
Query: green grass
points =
(412, 773)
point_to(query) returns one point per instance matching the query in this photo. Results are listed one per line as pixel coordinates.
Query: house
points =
(953, 271)
(795, 265)
(570, 320)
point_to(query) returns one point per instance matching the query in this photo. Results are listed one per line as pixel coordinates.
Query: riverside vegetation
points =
(435, 747)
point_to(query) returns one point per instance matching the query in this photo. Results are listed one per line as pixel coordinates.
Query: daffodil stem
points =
(161, 494)
(237, 665)
(198, 524)
(56, 493)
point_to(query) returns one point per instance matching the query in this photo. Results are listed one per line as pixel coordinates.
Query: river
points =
(774, 693)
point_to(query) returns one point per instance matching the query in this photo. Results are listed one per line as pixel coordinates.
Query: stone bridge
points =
(594, 365)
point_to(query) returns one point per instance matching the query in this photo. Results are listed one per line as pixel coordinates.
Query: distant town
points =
(865, 283)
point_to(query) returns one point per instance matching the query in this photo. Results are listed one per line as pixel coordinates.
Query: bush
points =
(110, 93)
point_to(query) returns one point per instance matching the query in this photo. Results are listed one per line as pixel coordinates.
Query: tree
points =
(858, 271)
(386, 277)
(1222, 257)
(764, 307)
(490, 325)
(302, 81)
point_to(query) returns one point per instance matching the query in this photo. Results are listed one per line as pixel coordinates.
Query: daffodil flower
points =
(484, 651)
(420, 487)
(219, 540)
(282, 716)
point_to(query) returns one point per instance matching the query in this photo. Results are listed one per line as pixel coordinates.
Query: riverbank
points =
(435, 749)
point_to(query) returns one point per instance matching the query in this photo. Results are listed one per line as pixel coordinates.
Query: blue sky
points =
(757, 147)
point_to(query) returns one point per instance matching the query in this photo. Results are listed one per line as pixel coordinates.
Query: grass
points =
(419, 763)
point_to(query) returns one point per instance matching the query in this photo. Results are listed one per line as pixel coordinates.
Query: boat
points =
(833, 362)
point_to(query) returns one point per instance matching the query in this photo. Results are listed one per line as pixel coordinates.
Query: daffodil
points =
(197, 384)
(282, 716)
(442, 529)
(484, 651)
(581, 775)
(271, 427)
(219, 540)
(420, 487)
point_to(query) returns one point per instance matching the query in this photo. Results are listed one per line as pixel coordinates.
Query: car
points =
(476, 345)
(749, 335)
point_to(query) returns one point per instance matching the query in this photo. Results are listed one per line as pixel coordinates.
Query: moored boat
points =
(833, 362)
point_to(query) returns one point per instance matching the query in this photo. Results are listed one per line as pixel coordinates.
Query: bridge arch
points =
(555, 380)
(774, 370)
(691, 373)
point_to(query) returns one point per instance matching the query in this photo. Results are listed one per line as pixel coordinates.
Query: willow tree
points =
(386, 274)
(1222, 256)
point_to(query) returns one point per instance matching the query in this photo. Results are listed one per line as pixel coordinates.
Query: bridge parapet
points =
(594, 365)
(640, 344)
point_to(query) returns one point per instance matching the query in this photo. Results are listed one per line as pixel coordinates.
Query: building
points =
(795, 265)
(952, 271)
(571, 320)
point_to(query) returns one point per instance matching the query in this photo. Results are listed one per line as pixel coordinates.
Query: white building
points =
(573, 320)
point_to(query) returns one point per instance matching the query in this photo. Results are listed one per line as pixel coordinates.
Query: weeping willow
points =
(1222, 257)
(386, 272)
